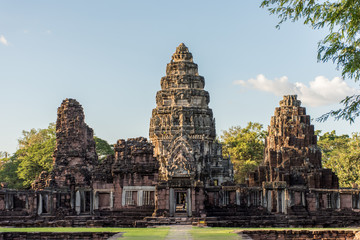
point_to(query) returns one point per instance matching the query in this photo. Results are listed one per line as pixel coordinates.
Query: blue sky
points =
(111, 55)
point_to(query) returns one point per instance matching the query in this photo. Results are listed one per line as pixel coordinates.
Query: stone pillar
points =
(317, 201)
(286, 201)
(303, 200)
(27, 205)
(338, 199)
(78, 202)
(111, 200)
(7, 201)
(96, 200)
(10, 201)
(269, 201)
(264, 197)
(91, 195)
(238, 196)
(189, 208)
(123, 198)
(40, 205)
(172, 202)
(140, 194)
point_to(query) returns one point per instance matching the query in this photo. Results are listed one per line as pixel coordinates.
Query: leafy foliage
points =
(342, 155)
(103, 148)
(8, 175)
(35, 153)
(341, 45)
(245, 147)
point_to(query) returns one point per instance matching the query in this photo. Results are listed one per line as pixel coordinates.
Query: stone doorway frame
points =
(172, 200)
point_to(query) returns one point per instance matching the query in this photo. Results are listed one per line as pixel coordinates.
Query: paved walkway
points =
(179, 232)
(116, 236)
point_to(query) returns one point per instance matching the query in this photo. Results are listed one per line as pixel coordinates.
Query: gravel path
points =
(179, 232)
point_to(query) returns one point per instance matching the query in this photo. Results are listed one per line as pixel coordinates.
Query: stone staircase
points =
(177, 220)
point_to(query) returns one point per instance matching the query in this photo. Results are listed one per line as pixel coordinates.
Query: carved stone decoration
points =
(187, 127)
(181, 162)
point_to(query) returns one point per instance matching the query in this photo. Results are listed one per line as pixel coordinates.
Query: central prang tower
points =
(182, 130)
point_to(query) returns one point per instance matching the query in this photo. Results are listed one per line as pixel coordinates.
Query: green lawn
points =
(129, 233)
(146, 233)
(198, 233)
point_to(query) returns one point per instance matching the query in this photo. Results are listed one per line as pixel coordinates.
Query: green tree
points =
(4, 155)
(341, 154)
(341, 45)
(103, 148)
(35, 153)
(8, 174)
(245, 147)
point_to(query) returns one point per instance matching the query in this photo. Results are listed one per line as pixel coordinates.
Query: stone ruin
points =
(180, 176)
(74, 155)
(291, 151)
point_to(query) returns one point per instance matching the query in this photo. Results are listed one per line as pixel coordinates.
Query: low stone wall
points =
(115, 218)
(299, 234)
(253, 217)
(56, 235)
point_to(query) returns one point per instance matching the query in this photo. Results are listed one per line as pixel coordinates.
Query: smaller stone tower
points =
(75, 155)
(291, 151)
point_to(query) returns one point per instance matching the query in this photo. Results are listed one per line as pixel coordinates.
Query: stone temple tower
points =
(182, 130)
(291, 151)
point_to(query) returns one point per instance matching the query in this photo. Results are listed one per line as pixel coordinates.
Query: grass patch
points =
(63, 229)
(215, 233)
(129, 233)
(146, 233)
(197, 233)
(218, 233)
(299, 229)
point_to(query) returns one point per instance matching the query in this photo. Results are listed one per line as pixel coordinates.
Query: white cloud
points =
(3, 40)
(321, 91)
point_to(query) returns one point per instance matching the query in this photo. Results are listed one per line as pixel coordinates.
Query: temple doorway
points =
(181, 202)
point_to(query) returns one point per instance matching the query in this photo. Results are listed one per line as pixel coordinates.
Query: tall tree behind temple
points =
(342, 155)
(103, 148)
(8, 174)
(245, 147)
(34, 155)
(36, 148)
